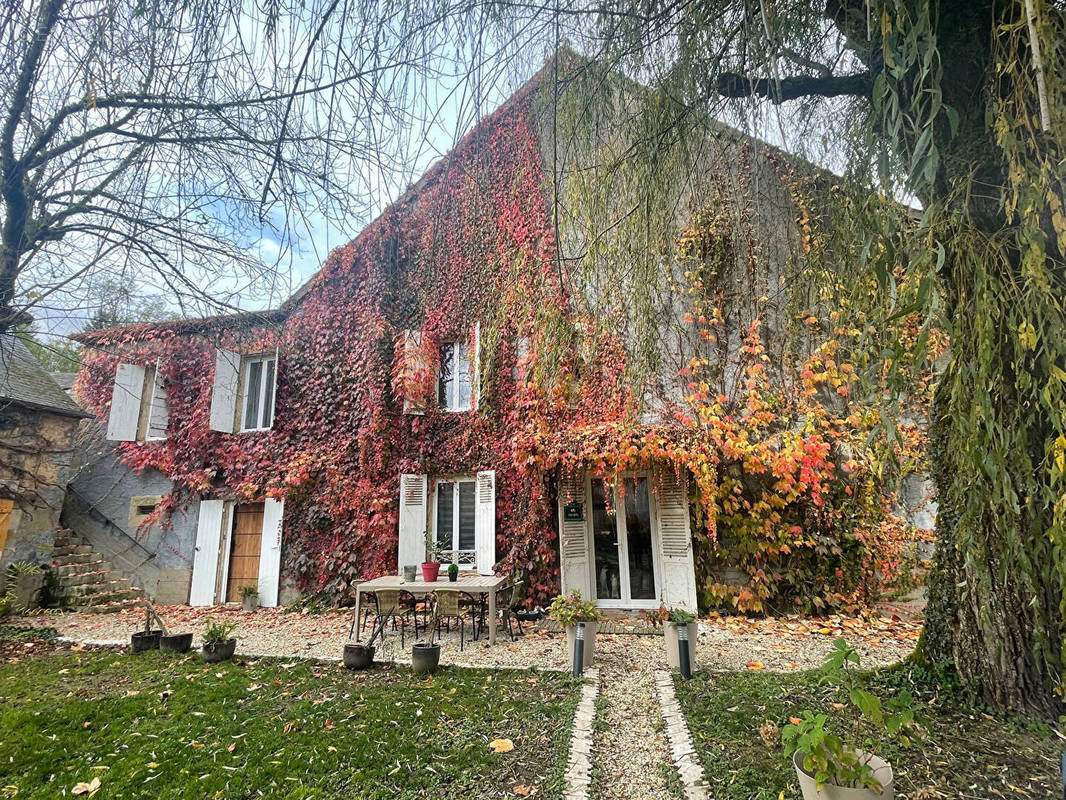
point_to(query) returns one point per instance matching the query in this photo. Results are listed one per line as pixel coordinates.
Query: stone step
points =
(107, 598)
(98, 587)
(63, 571)
(76, 558)
(110, 608)
(67, 540)
(70, 550)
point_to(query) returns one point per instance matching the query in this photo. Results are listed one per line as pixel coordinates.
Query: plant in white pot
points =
(568, 610)
(827, 767)
(671, 619)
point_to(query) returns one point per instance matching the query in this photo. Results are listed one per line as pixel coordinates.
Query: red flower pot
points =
(430, 570)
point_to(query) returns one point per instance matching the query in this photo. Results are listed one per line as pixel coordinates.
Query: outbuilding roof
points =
(25, 382)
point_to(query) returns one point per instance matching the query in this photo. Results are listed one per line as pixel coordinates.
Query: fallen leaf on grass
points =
(88, 788)
(522, 790)
(501, 745)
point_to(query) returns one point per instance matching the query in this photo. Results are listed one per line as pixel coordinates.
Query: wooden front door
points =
(244, 549)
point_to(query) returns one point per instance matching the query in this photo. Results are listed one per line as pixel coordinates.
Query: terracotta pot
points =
(430, 571)
(670, 637)
(219, 651)
(882, 772)
(425, 658)
(358, 656)
(176, 643)
(590, 644)
(250, 602)
(145, 640)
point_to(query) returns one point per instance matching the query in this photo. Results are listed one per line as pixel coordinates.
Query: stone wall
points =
(35, 456)
(106, 503)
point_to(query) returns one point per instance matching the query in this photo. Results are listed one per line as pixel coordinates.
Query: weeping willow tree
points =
(960, 104)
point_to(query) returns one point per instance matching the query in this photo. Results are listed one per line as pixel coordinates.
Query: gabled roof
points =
(25, 382)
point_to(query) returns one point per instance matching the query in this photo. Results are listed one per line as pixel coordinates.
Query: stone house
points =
(38, 427)
(513, 367)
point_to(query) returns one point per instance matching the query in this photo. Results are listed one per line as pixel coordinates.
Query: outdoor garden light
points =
(682, 652)
(579, 649)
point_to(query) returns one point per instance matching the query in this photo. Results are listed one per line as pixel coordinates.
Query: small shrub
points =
(219, 632)
(570, 609)
(248, 590)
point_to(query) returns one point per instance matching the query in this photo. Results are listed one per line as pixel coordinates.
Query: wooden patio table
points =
(469, 582)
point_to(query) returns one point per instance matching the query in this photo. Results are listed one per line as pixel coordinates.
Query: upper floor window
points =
(455, 387)
(259, 381)
(138, 404)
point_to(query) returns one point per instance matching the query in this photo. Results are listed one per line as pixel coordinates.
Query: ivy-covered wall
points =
(659, 333)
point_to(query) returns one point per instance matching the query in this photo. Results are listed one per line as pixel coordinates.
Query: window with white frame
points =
(455, 388)
(455, 518)
(259, 378)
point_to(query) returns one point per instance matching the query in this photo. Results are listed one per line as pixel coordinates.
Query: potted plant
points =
(249, 596)
(671, 619)
(568, 610)
(829, 769)
(219, 642)
(25, 581)
(431, 566)
(453, 572)
(425, 657)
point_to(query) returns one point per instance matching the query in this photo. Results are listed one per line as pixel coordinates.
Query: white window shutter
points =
(224, 391)
(412, 543)
(574, 556)
(125, 403)
(475, 369)
(205, 553)
(274, 389)
(270, 552)
(413, 372)
(158, 412)
(675, 543)
(485, 522)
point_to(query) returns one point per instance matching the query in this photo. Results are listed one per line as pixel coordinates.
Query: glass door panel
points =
(605, 545)
(639, 541)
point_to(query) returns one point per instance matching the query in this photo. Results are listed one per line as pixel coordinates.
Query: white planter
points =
(670, 637)
(882, 772)
(590, 643)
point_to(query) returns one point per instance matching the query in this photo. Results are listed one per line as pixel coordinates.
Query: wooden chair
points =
(449, 607)
(399, 608)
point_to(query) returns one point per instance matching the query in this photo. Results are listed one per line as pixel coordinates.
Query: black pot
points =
(525, 615)
(452, 578)
(358, 656)
(425, 658)
(145, 640)
(219, 651)
(176, 643)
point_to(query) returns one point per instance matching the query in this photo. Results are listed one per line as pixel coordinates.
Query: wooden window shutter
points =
(270, 552)
(224, 391)
(414, 370)
(274, 391)
(574, 556)
(205, 553)
(485, 522)
(125, 403)
(675, 542)
(412, 541)
(158, 411)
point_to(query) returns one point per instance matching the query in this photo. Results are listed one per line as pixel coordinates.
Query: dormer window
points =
(455, 387)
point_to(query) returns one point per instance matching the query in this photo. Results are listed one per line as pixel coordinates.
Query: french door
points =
(625, 559)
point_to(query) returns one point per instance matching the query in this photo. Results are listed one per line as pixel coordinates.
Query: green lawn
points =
(174, 727)
(964, 753)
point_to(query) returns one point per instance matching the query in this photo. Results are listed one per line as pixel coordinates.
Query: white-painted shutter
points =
(158, 412)
(270, 552)
(413, 373)
(125, 403)
(224, 391)
(412, 544)
(675, 543)
(574, 557)
(205, 553)
(475, 373)
(485, 522)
